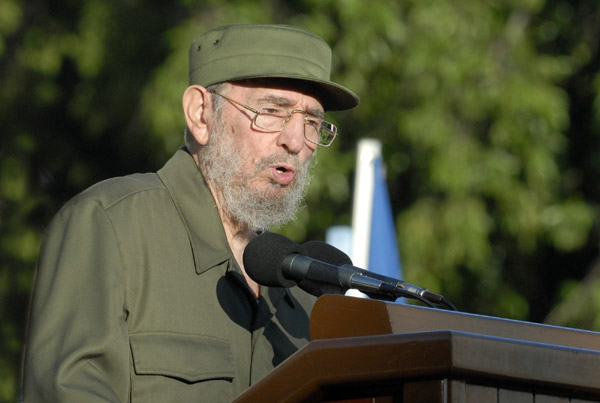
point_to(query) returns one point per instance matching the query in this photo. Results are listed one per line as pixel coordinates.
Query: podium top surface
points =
(336, 316)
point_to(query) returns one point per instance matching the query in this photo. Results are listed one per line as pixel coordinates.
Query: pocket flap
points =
(190, 357)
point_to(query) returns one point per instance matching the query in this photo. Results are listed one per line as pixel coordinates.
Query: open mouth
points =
(283, 174)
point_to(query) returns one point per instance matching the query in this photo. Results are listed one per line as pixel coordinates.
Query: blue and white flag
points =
(374, 244)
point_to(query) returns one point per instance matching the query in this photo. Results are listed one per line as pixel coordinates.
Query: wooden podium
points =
(372, 351)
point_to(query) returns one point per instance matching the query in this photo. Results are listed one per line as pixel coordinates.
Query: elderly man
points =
(141, 293)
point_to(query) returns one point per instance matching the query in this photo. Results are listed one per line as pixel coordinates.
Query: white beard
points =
(255, 209)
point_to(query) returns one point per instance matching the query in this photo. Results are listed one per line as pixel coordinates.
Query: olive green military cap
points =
(240, 52)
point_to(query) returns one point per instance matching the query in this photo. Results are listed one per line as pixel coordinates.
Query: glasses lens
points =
(316, 130)
(271, 118)
(322, 137)
(312, 134)
(327, 134)
(326, 137)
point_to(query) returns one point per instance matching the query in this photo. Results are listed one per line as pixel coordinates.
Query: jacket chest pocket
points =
(188, 357)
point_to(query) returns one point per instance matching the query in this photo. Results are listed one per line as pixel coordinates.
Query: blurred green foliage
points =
(488, 112)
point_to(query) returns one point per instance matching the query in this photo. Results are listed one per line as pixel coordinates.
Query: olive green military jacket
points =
(138, 298)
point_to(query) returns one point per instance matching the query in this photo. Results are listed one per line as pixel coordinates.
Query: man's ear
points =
(197, 110)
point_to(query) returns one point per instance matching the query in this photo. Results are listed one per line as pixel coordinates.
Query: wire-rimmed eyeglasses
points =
(275, 119)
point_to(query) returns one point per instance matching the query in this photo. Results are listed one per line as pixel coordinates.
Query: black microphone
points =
(263, 256)
(320, 250)
(300, 267)
(329, 254)
(273, 260)
(326, 253)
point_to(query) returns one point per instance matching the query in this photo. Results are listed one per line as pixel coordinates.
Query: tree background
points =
(488, 113)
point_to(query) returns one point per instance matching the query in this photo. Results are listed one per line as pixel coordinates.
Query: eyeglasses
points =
(275, 119)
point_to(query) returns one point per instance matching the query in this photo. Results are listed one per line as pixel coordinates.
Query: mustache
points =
(280, 157)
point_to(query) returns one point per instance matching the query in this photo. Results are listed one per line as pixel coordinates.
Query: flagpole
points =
(368, 150)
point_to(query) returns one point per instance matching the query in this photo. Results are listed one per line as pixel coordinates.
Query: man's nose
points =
(292, 135)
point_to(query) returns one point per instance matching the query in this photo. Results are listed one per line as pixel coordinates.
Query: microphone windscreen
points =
(327, 253)
(263, 258)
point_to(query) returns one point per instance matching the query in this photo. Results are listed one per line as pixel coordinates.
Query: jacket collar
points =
(199, 215)
(197, 209)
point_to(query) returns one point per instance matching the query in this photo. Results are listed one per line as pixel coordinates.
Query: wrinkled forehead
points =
(303, 87)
